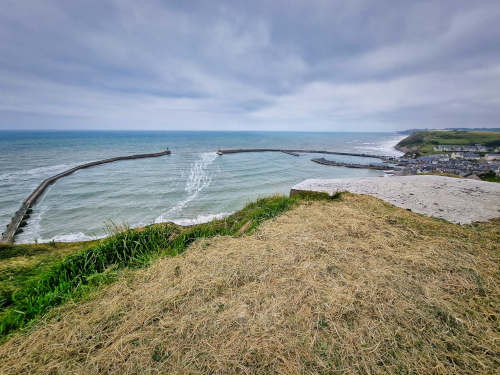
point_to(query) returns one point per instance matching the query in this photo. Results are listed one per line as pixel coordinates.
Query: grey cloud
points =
(324, 65)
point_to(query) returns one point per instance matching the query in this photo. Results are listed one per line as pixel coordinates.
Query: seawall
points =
(288, 151)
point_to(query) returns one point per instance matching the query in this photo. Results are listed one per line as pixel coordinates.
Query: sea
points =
(190, 186)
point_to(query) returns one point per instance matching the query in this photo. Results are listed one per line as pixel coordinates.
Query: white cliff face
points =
(458, 200)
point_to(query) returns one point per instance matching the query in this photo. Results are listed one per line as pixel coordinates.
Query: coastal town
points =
(473, 161)
(477, 161)
(465, 161)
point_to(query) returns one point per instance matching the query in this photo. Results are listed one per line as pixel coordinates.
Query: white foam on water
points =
(32, 173)
(71, 237)
(33, 229)
(197, 180)
(80, 236)
(201, 219)
(384, 148)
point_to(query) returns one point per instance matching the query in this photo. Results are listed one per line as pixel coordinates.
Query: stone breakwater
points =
(458, 200)
(333, 163)
(20, 218)
(292, 152)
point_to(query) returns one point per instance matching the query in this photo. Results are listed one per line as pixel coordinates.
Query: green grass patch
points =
(306, 195)
(35, 251)
(19, 264)
(423, 142)
(490, 176)
(42, 287)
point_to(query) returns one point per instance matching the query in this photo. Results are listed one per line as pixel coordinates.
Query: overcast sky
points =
(249, 65)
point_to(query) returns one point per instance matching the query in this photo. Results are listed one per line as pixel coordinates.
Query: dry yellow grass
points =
(356, 286)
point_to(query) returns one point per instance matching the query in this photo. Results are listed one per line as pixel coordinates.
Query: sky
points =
(249, 65)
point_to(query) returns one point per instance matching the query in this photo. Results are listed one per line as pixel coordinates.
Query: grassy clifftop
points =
(348, 286)
(36, 278)
(423, 142)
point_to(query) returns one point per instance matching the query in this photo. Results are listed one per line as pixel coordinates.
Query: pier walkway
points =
(20, 217)
(292, 152)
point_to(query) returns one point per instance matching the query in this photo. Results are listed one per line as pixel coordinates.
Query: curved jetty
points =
(20, 217)
(292, 152)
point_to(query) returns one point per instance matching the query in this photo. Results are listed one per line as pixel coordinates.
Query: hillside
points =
(349, 286)
(423, 142)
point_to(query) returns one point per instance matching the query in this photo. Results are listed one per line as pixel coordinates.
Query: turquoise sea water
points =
(192, 185)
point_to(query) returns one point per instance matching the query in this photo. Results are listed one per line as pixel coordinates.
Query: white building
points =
(490, 157)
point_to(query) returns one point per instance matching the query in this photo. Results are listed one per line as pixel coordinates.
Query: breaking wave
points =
(385, 147)
(72, 237)
(201, 219)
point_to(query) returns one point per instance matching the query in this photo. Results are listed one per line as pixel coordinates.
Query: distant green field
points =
(423, 142)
